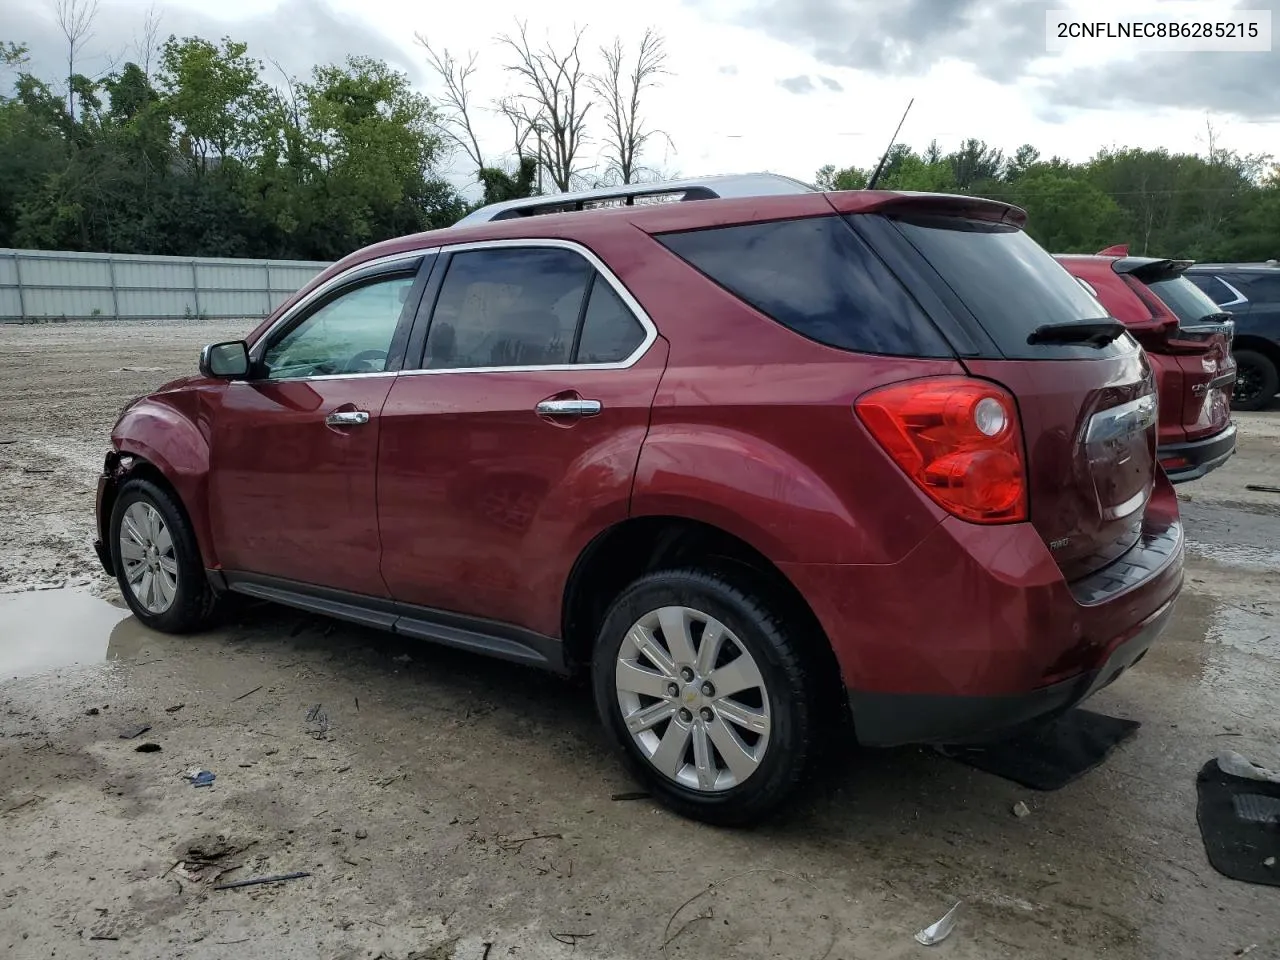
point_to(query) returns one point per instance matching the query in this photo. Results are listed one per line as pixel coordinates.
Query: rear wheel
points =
(707, 694)
(156, 560)
(1257, 381)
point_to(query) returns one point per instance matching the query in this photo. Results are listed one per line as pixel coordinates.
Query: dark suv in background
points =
(1250, 292)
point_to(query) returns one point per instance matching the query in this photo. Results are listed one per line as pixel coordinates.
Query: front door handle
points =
(569, 408)
(346, 418)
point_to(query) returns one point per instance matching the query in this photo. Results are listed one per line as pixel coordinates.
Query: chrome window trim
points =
(259, 345)
(1240, 298)
(637, 311)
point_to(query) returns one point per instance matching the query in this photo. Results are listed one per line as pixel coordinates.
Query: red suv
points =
(757, 465)
(1188, 340)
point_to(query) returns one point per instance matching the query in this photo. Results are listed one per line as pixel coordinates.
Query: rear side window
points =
(1188, 302)
(816, 277)
(610, 331)
(1217, 291)
(1008, 282)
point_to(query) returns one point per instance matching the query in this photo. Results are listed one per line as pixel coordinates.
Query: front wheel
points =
(707, 694)
(156, 560)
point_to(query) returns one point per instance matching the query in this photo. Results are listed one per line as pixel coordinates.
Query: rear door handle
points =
(569, 408)
(346, 418)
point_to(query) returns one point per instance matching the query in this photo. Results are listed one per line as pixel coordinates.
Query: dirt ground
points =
(447, 806)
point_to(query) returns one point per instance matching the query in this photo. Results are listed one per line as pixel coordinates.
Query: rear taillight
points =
(958, 439)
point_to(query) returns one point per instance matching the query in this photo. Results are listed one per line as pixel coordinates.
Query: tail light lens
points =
(958, 439)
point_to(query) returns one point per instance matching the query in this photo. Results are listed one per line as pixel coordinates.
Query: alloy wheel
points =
(693, 699)
(146, 551)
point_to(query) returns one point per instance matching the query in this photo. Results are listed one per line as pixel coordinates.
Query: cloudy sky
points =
(781, 85)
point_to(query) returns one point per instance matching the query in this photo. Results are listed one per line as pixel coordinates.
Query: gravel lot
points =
(447, 806)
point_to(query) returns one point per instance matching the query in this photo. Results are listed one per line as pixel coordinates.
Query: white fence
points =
(46, 285)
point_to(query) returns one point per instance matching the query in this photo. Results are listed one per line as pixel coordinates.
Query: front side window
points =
(352, 333)
(507, 307)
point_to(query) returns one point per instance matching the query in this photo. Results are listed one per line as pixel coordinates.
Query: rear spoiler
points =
(1149, 269)
(938, 204)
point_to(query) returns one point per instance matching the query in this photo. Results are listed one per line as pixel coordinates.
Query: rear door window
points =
(816, 277)
(610, 331)
(1008, 282)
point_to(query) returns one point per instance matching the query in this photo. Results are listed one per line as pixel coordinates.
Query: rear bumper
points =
(891, 719)
(1191, 461)
(977, 630)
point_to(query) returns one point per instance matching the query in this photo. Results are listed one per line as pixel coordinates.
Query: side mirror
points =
(226, 361)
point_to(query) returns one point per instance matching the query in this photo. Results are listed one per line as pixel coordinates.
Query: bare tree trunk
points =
(456, 99)
(75, 19)
(620, 91)
(145, 46)
(555, 101)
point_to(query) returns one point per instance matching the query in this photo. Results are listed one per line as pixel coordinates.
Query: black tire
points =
(1257, 381)
(787, 676)
(192, 605)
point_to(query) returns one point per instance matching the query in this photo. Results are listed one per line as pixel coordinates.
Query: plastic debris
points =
(1238, 765)
(937, 932)
(1021, 810)
(134, 731)
(199, 778)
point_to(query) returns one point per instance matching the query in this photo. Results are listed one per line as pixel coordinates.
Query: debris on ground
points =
(147, 748)
(1261, 488)
(133, 732)
(175, 708)
(1269, 862)
(317, 722)
(362, 833)
(199, 778)
(247, 693)
(276, 878)
(937, 932)
(1021, 810)
(632, 795)
(91, 712)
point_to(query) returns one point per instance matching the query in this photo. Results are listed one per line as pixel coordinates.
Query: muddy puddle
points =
(1250, 557)
(46, 630)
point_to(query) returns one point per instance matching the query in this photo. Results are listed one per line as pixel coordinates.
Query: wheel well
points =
(638, 546)
(130, 466)
(1268, 348)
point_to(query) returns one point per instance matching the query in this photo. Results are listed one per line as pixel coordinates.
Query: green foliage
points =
(210, 160)
(1221, 207)
(500, 186)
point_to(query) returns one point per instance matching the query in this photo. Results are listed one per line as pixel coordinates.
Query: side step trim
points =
(478, 635)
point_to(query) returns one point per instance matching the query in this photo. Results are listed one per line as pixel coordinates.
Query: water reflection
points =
(45, 630)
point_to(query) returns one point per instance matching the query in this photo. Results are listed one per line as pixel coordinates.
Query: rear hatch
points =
(1196, 332)
(1084, 388)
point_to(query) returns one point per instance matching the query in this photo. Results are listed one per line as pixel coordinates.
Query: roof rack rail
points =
(701, 188)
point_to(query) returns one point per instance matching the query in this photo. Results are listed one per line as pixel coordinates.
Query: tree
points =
(554, 101)
(216, 95)
(75, 20)
(455, 117)
(619, 88)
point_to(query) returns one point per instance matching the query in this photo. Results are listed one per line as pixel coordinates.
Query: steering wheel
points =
(364, 357)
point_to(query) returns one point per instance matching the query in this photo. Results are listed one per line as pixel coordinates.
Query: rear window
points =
(816, 277)
(1188, 302)
(1008, 282)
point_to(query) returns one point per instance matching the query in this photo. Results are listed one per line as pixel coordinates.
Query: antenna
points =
(875, 177)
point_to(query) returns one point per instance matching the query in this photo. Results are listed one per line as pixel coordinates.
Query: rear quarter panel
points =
(753, 428)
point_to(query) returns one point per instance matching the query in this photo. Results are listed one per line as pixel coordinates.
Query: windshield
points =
(1008, 282)
(1188, 302)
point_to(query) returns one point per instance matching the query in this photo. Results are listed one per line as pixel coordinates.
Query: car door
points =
(517, 438)
(294, 448)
